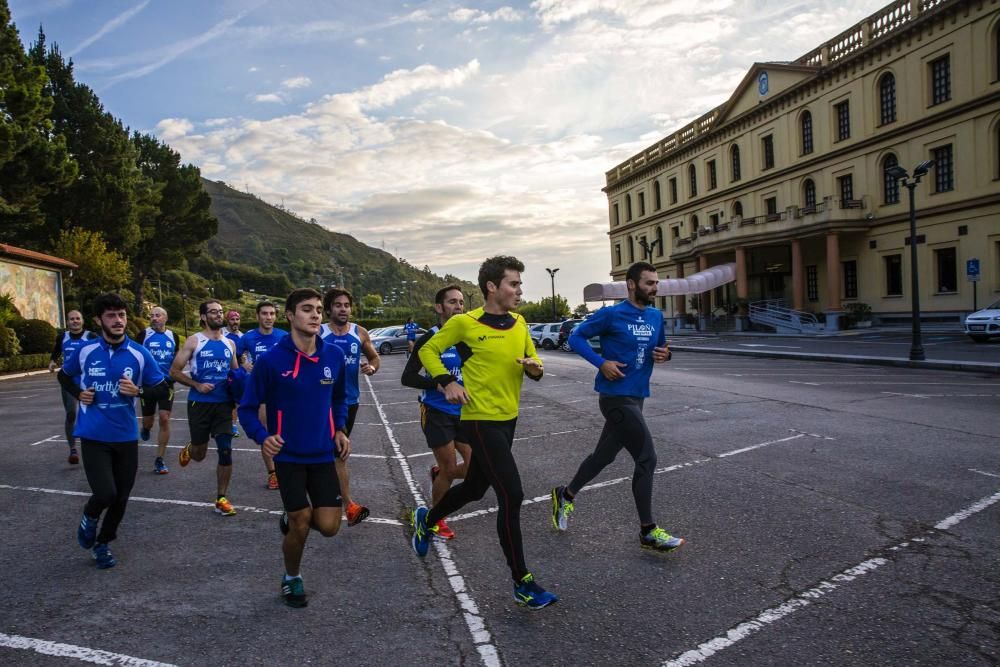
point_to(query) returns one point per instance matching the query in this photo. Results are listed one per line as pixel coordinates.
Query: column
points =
(798, 276)
(833, 280)
(742, 293)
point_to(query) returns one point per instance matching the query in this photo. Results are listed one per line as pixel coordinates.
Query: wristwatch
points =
(140, 390)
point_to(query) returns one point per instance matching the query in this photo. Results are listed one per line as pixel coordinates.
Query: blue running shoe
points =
(159, 467)
(421, 533)
(531, 595)
(144, 434)
(103, 556)
(236, 431)
(86, 534)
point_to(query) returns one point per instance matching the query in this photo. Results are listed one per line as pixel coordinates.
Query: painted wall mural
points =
(36, 292)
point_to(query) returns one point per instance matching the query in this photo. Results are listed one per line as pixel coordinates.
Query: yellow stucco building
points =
(788, 178)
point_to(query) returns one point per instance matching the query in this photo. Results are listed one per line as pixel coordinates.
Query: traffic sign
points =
(972, 269)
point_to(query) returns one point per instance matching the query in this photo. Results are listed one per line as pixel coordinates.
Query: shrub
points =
(24, 362)
(36, 336)
(8, 311)
(10, 346)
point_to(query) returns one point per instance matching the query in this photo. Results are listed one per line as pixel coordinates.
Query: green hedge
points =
(36, 336)
(24, 362)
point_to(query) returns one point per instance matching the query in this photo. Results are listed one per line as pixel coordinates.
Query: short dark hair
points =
(332, 294)
(109, 301)
(265, 304)
(298, 296)
(203, 306)
(492, 270)
(636, 270)
(439, 296)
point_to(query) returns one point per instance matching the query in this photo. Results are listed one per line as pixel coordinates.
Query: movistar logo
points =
(491, 337)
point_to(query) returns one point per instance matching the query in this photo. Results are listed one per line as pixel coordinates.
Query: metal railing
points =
(776, 313)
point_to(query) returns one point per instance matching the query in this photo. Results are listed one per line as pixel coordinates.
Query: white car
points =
(984, 324)
(546, 336)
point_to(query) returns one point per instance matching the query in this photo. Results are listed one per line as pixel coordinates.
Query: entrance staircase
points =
(775, 313)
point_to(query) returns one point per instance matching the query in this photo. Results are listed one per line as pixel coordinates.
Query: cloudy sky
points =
(445, 131)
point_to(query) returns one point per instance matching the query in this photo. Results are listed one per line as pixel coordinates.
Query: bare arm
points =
(374, 361)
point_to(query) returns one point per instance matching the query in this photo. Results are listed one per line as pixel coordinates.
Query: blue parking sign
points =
(972, 269)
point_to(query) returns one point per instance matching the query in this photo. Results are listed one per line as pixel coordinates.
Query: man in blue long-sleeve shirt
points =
(632, 339)
(301, 383)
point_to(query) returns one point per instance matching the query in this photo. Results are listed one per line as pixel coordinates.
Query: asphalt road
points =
(835, 514)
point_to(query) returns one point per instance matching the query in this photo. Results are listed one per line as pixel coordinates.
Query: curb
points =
(14, 376)
(942, 365)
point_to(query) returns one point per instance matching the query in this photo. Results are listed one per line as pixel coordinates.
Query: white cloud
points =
(269, 98)
(297, 82)
(110, 26)
(466, 15)
(252, 69)
(170, 129)
(360, 41)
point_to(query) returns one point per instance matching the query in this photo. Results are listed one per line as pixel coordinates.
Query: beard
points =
(214, 326)
(644, 298)
(111, 335)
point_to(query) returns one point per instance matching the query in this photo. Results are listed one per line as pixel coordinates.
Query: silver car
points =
(984, 324)
(392, 339)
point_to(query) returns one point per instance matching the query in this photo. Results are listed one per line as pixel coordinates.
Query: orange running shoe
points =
(184, 457)
(443, 531)
(272, 481)
(224, 507)
(356, 514)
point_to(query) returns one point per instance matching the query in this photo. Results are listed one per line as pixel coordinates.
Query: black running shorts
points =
(439, 428)
(149, 407)
(308, 484)
(208, 419)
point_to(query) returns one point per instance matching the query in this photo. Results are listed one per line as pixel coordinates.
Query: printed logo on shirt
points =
(109, 387)
(127, 373)
(491, 337)
(96, 372)
(327, 373)
(354, 348)
(286, 373)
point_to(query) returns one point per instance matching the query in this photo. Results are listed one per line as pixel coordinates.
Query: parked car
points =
(984, 324)
(392, 339)
(595, 342)
(546, 336)
(564, 330)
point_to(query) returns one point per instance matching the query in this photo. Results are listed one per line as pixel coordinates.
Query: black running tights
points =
(624, 426)
(70, 405)
(110, 468)
(492, 465)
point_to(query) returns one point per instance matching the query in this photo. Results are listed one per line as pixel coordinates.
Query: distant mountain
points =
(272, 240)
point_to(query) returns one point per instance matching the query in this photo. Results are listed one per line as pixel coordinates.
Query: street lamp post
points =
(647, 248)
(910, 183)
(185, 309)
(552, 276)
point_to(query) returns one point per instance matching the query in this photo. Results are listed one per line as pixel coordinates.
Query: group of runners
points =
(298, 396)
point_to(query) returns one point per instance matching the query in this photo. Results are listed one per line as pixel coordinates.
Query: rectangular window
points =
(768, 146)
(713, 220)
(807, 133)
(843, 114)
(618, 254)
(890, 185)
(944, 178)
(615, 215)
(656, 195)
(712, 177)
(940, 80)
(673, 190)
(846, 184)
(812, 283)
(642, 203)
(894, 275)
(675, 232)
(850, 279)
(946, 263)
(771, 205)
(887, 99)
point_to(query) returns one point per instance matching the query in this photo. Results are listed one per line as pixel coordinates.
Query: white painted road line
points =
(82, 653)
(983, 472)
(763, 444)
(804, 599)
(50, 439)
(481, 636)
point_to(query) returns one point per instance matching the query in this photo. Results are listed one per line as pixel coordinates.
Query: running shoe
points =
(435, 471)
(442, 531)
(531, 595)
(236, 431)
(294, 592)
(561, 509)
(224, 507)
(184, 457)
(73, 457)
(660, 540)
(272, 481)
(144, 434)
(86, 534)
(421, 540)
(283, 523)
(159, 467)
(103, 556)
(356, 513)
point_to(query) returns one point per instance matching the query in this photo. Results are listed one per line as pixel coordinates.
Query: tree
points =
(542, 310)
(33, 161)
(581, 310)
(100, 268)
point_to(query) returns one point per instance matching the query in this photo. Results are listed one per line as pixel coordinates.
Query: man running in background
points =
(439, 419)
(300, 383)
(211, 356)
(497, 352)
(632, 340)
(234, 334)
(250, 348)
(354, 341)
(160, 342)
(411, 335)
(67, 344)
(105, 376)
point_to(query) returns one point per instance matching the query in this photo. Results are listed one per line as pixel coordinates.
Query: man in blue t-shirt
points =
(66, 346)
(251, 347)
(160, 342)
(632, 340)
(105, 376)
(234, 334)
(410, 328)
(439, 419)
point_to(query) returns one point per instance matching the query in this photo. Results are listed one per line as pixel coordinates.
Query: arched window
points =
(694, 225)
(809, 194)
(806, 124)
(738, 210)
(693, 180)
(890, 186)
(659, 241)
(631, 251)
(734, 159)
(656, 195)
(887, 98)
(996, 52)
(628, 207)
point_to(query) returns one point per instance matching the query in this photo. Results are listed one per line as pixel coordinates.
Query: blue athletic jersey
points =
(350, 345)
(210, 363)
(433, 398)
(162, 346)
(255, 344)
(235, 337)
(70, 345)
(628, 334)
(411, 330)
(100, 367)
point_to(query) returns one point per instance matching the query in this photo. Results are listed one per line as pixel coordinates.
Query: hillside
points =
(255, 233)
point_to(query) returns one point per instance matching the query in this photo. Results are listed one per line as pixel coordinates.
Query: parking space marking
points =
(896, 393)
(482, 638)
(81, 653)
(54, 438)
(983, 472)
(804, 599)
